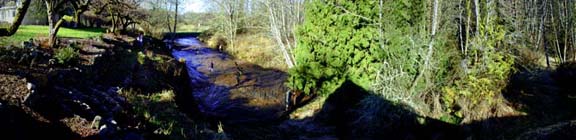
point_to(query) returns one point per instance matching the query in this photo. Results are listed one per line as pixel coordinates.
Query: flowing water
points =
(229, 90)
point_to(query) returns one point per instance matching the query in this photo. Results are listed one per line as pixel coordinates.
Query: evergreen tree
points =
(339, 40)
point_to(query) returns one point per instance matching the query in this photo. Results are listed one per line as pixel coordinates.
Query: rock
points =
(96, 122)
(92, 50)
(29, 86)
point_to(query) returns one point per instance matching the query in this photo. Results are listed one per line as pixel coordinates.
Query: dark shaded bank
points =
(341, 117)
(17, 124)
(169, 36)
(82, 101)
(544, 95)
(547, 98)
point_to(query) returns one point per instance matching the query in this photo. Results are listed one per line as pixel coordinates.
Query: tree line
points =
(118, 15)
(277, 18)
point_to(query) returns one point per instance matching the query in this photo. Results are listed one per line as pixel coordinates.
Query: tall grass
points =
(255, 48)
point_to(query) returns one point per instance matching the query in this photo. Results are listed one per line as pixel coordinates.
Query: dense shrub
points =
(406, 39)
(336, 45)
(482, 73)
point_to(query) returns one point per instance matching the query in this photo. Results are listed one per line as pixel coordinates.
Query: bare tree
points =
(80, 6)
(231, 12)
(176, 2)
(122, 13)
(430, 44)
(277, 17)
(284, 16)
(173, 27)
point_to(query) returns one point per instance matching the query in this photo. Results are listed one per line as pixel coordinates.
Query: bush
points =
(66, 55)
(477, 93)
(482, 74)
(406, 47)
(333, 48)
(453, 87)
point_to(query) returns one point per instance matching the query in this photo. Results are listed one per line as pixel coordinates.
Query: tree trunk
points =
(53, 23)
(175, 20)
(276, 30)
(114, 19)
(77, 18)
(17, 21)
(176, 16)
(477, 12)
(430, 46)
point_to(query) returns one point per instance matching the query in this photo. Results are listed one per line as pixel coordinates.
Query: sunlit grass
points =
(26, 32)
(186, 28)
(254, 48)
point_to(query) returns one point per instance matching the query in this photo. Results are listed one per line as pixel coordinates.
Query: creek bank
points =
(81, 98)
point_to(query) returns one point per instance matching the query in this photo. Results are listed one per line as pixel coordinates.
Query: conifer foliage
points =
(338, 40)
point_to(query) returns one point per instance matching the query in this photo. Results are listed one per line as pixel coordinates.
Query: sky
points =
(194, 6)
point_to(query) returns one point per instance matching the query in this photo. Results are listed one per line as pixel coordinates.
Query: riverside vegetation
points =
(292, 69)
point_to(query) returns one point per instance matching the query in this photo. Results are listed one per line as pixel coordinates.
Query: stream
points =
(228, 90)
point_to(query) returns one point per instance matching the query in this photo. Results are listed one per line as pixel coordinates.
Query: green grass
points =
(186, 28)
(25, 32)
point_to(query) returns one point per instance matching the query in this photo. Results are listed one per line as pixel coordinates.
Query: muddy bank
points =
(228, 90)
(247, 100)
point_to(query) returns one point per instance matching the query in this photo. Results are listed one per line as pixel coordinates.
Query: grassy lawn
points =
(26, 32)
